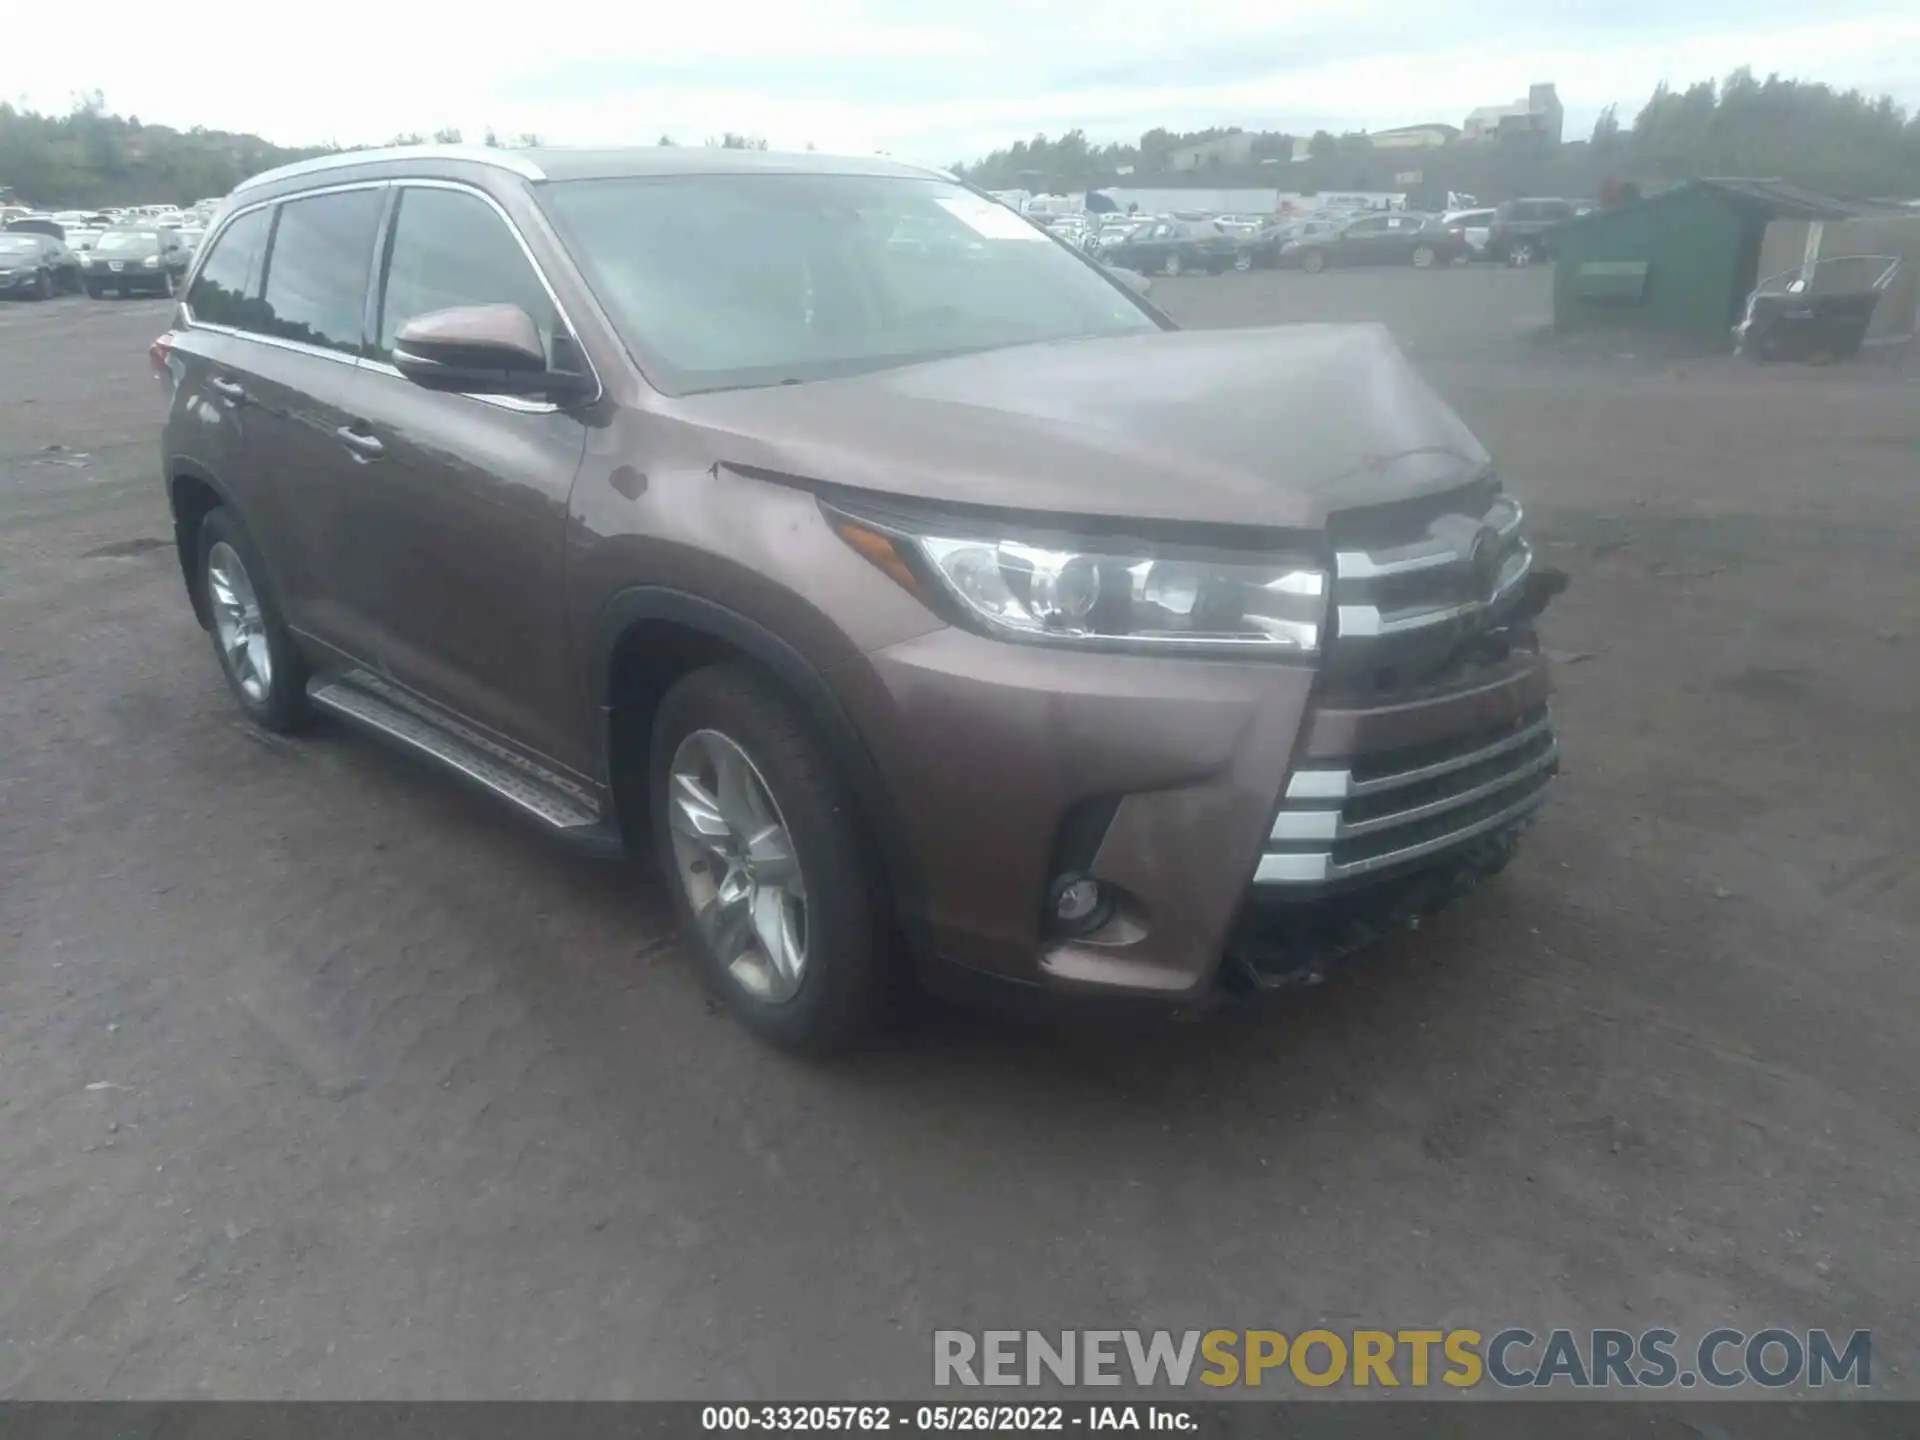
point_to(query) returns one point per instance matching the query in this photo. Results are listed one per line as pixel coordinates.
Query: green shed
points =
(1680, 262)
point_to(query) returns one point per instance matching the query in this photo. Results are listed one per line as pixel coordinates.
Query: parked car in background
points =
(36, 267)
(147, 260)
(1404, 237)
(654, 493)
(1522, 230)
(1268, 246)
(1473, 226)
(1170, 246)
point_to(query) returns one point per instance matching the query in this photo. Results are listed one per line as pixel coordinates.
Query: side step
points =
(557, 804)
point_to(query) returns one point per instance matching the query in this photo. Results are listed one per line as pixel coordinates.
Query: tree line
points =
(1839, 141)
(89, 157)
(1842, 142)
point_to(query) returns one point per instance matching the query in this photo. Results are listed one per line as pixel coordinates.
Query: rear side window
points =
(316, 283)
(451, 248)
(221, 291)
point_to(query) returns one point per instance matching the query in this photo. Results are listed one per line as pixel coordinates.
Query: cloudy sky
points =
(937, 80)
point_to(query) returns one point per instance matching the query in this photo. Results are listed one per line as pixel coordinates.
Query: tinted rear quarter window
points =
(317, 267)
(221, 292)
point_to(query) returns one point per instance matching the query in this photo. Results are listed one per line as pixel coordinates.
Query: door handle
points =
(368, 447)
(232, 389)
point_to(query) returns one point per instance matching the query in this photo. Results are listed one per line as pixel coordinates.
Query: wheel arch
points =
(647, 637)
(191, 497)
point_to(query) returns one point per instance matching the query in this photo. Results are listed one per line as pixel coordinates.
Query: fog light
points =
(1078, 905)
(1077, 900)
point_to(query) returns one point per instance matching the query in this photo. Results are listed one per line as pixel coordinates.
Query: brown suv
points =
(936, 591)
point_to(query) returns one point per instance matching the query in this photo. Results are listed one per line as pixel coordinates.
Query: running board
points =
(559, 806)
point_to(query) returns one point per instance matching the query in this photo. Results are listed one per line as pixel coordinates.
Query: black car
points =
(1173, 247)
(1404, 237)
(146, 259)
(35, 265)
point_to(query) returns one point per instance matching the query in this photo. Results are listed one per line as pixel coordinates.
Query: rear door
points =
(306, 335)
(463, 538)
(209, 422)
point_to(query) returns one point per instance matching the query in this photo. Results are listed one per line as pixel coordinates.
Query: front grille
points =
(1462, 565)
(1402, 807)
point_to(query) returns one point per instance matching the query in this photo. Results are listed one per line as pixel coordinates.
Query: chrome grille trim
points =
(1439, 566)
(1311, 868)
(1338, 784)
(1334, 825)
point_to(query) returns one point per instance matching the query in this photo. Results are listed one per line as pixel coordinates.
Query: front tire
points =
(1313, 262)
(1521, 254)
(257, 655)
(1243, 261)
(771, 877)
(1172, 265)
(43, 286)
(1423, 257)
(94, 292)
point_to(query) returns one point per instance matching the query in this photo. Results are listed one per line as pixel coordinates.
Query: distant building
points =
(1539, 115)
(1415, 137)
(1234, 149)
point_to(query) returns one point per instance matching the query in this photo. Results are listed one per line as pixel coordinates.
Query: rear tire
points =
(276, 699)
(1521, 254)
(1243, 262)
(1313, 262)
(43, 286)
(842, 976)
(1423, 257)
(1172, 265)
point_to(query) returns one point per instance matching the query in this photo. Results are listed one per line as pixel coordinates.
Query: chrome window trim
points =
(214, 237)
(474, 154)
(516, 403)
(298, 347)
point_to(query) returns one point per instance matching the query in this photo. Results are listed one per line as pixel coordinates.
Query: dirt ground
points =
(320, 1078)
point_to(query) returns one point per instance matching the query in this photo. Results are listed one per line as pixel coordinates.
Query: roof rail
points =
(477, 154)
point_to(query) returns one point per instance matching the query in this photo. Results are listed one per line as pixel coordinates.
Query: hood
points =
(1277, 426)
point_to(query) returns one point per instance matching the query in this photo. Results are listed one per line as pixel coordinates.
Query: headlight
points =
(1118, 595)
(152, 262)
(86, 259)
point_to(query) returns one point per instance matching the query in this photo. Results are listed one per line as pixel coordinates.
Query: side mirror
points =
(481, 350)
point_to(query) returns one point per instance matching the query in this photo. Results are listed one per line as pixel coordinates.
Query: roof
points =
(1773, 199)
(557, 163)
(1782, 200)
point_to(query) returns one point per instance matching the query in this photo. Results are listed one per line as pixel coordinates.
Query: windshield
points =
(128, 242)
(725, 281)
(18, 245)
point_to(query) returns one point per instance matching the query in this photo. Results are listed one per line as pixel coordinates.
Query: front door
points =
(463, 543)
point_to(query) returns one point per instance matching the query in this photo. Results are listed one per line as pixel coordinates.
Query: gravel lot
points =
(320, 1078)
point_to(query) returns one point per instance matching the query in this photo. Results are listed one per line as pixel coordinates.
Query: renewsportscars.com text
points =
(1513, 1358)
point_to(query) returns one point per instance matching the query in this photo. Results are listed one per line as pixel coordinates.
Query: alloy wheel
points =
(737, 865)
(1423, 258)
(238, 624)
(1171, 266)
